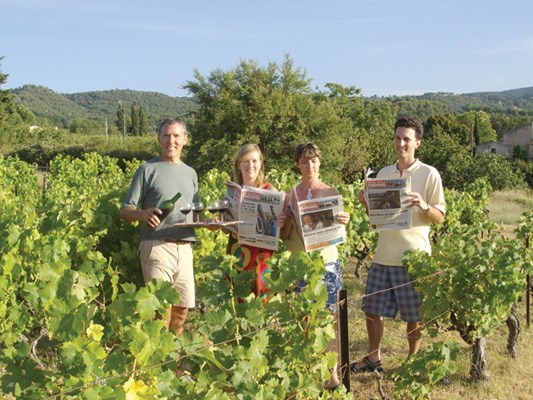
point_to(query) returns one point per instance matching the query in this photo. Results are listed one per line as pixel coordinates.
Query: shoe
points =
(368, 367)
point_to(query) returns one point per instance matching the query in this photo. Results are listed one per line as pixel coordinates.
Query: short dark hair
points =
(172, 121)
(410, 122)
(308, 150)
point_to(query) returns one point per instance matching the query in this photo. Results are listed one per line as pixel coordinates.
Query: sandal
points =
(368, 367)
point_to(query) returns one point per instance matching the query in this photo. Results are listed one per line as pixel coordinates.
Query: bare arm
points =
(434, 215)
(148, 216)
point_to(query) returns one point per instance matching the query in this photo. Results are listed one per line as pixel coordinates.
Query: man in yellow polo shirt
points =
(389, 288)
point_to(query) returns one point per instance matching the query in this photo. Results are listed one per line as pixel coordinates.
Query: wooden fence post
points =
(344, 349)
(528, 286)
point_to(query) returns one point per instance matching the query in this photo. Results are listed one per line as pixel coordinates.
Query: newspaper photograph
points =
(388, 204)
(317, 223)
(258, 209)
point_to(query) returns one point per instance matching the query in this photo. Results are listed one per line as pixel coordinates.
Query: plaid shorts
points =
(332, 281)
(389, 289)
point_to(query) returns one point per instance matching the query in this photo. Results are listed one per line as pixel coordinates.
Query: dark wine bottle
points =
(167, 206)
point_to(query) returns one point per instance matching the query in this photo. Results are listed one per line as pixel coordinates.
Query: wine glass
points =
(212, 207)
(197, 208)
(222, 206)
(185, 209)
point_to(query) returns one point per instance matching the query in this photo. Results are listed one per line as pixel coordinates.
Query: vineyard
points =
(77, 322)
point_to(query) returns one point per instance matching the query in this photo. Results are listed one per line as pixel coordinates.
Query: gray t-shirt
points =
(157, 181)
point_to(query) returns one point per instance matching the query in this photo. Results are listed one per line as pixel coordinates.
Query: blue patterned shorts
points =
(332, 281)
(389, 289)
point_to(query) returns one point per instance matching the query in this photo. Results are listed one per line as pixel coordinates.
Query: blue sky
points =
(383, 47)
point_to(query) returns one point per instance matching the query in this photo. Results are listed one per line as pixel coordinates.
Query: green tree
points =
(121, 122)
(15, 119)
(502, 122)
(272, 106)
(443, 152)
(85, 126)
(480, 124)
(6, 97)
(144, 128)
(367, 141)
(447, 124)
(135, 120)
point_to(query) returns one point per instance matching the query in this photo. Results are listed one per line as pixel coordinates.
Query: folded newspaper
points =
(388, 203)
(317, 223)
(258, 209)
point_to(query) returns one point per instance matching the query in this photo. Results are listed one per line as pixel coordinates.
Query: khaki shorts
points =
(170, 262)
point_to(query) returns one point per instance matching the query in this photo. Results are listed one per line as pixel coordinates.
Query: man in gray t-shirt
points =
(165, 250)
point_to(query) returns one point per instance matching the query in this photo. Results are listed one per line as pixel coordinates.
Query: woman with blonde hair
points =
(249, 170)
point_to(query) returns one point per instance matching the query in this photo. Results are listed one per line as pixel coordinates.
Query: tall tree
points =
(135, 121)
(447, 124)
(144, 128)
(121, 119)
(480, 120)
(15, 119)
(366, 133)
(476, 130)
(7, 104)
(271, 106)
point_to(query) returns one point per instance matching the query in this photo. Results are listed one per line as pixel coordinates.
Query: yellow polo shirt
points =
(425, 180)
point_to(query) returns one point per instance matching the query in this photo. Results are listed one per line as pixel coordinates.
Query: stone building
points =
(521, 137)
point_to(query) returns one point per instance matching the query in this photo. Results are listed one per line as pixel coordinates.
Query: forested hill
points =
(504, 101)
(61, 109)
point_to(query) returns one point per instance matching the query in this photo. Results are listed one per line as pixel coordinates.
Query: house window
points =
(493, 150)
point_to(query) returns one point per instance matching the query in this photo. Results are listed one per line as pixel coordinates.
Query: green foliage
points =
(268, 106)
(474, 275)
(51, 142)
(480, 274)
(445, 153)
(60, 108)
(85, 126)
(480, 125)
(361, 240)
(502, 122)
(465, 208)
(121, 121)
(77, 322)
(368, 126)
(448, 125)
(501, 173)
(449, 149)
(275, 107)
(45, 103)
(525, 226)
(418, 375)
(14, 118)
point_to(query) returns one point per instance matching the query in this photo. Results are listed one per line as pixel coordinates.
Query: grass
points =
(509, 377)
(506, 206)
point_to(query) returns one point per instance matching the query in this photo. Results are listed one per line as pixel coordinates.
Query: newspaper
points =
(258, 210)
(317, 223)
(388, 203)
